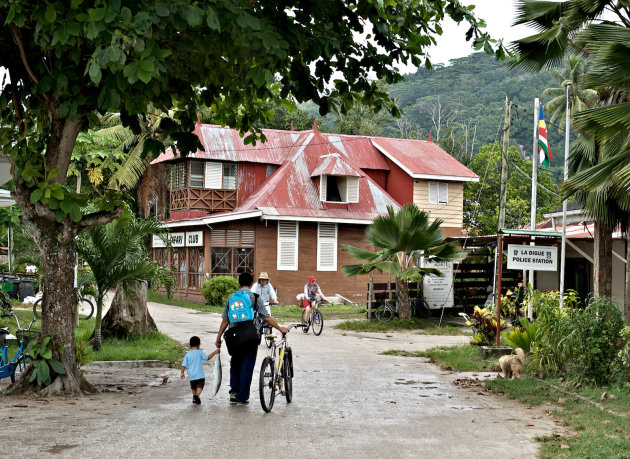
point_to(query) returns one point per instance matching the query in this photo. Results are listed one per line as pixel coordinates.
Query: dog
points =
(512, 365)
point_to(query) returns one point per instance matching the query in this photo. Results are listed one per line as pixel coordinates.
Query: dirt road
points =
(349, 401)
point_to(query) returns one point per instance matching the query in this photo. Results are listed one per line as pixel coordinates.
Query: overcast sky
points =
(499, 16)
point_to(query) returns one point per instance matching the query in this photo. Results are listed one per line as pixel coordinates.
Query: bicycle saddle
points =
(4, 331)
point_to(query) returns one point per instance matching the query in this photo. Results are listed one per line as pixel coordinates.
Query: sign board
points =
(194, 239)
(534, 257)
(189, 239)
(177, 240)
(438, 291)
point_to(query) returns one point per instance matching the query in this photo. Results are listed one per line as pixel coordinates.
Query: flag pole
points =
(567, 126)
(530, 305)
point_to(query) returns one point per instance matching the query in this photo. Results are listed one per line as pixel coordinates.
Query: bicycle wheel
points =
(266, 384)
(288, 381)
(86, 309)
(305, 321)
(318, 323)
(19, 366)
(37, 309)
(384, 313)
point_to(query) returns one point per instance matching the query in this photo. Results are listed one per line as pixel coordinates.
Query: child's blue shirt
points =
(193, 361)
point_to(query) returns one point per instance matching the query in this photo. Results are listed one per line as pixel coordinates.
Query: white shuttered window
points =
(214, 175)
(352, 190)
(288, 245)
(438, 193)
(327, 247)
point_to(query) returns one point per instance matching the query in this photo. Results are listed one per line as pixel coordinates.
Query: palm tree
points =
(602, 173)
(134, 173)
(117, 256)
(401, 238)
(581, 97)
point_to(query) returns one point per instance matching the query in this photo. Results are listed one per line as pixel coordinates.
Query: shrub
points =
(4, 267)
(580, 343)
(485, 326)
(526, 336)
(217, 290)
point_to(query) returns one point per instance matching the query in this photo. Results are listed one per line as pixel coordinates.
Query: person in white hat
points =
(265, 290)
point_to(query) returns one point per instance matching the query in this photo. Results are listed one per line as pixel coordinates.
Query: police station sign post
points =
(534, 257)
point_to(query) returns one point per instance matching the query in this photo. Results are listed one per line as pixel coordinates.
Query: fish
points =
(217, 375)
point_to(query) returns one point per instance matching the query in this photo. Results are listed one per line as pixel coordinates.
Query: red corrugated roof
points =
(423, 159)
(293, 190)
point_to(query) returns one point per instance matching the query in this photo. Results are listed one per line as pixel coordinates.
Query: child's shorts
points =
(197, 383)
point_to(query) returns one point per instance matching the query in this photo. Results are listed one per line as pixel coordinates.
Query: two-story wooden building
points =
(287, 205)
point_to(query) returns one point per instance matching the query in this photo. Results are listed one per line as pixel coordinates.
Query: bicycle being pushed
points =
(9, 368)
(276, 372)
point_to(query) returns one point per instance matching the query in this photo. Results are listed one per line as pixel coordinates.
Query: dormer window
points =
(438, 192)
(339, 188)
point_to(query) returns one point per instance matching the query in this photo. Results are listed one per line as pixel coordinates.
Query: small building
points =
(287, 206)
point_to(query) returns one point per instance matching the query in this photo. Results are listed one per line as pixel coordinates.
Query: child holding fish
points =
(193, 363)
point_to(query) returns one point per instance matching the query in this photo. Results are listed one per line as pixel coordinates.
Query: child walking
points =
(193, 362)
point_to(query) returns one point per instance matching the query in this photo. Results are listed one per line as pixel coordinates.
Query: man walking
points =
(242, 343)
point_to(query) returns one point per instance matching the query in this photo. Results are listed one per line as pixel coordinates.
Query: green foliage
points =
(83, 354)
(579, 343)
(44, 365)
(526, 336)
(458, 358)
(481, 199)
(217, 289)
(485, 327)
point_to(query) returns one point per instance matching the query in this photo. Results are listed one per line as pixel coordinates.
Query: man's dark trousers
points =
(241, 372)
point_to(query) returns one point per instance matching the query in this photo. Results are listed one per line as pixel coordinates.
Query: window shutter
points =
(214, 172)
(322, 188)
(443, 197)
(352, 189)
(327, 247)
(196, 174)
(433, 192)
(288, 245)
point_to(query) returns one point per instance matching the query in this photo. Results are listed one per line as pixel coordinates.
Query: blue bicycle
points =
(11, 368)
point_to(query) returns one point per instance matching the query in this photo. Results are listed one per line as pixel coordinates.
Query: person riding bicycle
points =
(311, 290)
(265, 290)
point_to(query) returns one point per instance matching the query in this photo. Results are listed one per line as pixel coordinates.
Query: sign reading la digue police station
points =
(535, 257)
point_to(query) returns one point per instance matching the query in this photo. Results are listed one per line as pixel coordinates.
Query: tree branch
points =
(99, 218)
(17, 38)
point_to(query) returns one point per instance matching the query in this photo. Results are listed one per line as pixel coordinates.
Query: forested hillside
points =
(463, 104)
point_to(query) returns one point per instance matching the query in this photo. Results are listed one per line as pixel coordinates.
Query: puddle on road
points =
(466, 408)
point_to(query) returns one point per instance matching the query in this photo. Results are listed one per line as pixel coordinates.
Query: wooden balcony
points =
(203, 199)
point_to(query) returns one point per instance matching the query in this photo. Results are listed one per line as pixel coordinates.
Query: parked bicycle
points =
(86, 307)
(10, 368)
(315, 321)
(276, 372)
(389, 309)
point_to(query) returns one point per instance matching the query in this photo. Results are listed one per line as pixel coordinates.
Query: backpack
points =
(240, 307)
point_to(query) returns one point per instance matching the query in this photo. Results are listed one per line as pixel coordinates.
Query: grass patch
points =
(154, 346)
(459, 358)
(421, 326)
(157, 298)
(597, 432)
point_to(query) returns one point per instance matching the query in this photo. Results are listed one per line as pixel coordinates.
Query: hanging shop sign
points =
(194, 239)
(188, 239)
(532, 257)
(438, 291)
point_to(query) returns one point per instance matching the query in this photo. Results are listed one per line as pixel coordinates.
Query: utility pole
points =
(504, 164)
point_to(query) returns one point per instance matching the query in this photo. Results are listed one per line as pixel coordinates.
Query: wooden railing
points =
(203, 199)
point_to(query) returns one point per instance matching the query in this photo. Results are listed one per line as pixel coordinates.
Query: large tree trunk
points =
(128, 314)
(602, 256)
(56, 244)
(404, 306)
